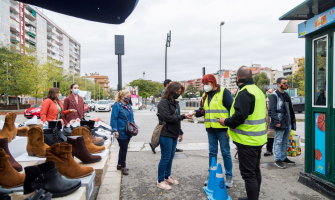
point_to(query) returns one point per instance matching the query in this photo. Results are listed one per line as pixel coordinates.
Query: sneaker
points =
(229, 182)
(172, 181)
(268, 153)
(288, 161)
(164, 185)
(205, 183)
(179, 150)
(280, 164)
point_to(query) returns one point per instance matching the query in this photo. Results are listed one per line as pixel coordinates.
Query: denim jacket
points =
(118, 120)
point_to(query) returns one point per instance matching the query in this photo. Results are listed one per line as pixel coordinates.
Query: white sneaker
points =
(172, 181)
(164, 185)
(229, 182)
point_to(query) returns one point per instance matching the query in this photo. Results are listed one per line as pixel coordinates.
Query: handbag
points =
(81, 118)
(293, 147)
(157, 133)
(53, 133)
(131, 128)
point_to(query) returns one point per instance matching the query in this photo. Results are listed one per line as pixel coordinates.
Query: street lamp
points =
(85, 80)
(143, 75)
(221, 24)
(167, 44)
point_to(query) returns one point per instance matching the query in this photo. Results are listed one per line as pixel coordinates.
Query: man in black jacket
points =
(282, 120)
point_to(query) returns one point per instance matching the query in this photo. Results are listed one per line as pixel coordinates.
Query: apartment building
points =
(288, 69)
(275, 75)
(296, 65)
(99, 79)
(23, 25)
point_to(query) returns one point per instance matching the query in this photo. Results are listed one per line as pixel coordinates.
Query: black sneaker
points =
(288, 161)
(179, 150)
(268, 153)
(280, 164)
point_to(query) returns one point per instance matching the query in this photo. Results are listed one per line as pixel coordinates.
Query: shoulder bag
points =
(81, 118)
(131, 128)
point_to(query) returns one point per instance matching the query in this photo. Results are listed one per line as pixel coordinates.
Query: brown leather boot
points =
(124, 171)
(22, 131)
(12, 161)
(36, 145)
(9, 130)
(61, 154)
(9, 176)
(86, 135)
(80, 151)
(98, 141)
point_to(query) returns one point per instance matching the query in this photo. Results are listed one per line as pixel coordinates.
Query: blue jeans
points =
(213, 139)
(168, 149)
(281, 139)
(152, 107)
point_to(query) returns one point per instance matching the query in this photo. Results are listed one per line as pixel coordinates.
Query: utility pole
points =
(167, 44)
(221, 24)
(119, 50)
(85, 81)
(99, 91)
(143, 75)
(94, 89)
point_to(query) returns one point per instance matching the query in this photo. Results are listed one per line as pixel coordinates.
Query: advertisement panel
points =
(134, 96)
(320, 143)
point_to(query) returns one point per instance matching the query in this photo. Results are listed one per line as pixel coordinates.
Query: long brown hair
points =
(52, 93)
(171, 89)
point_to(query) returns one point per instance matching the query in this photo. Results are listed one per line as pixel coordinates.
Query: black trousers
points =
(269, 145)
(123, 143)
(249, 158)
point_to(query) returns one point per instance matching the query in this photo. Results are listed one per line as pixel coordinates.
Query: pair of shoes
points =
(288, 161)
(124, 171)
(164, 185)
(229, 182)
(118, 167)
(152, 148)
(179, 150)
(280, 164)
(172, 181)
(268, 153)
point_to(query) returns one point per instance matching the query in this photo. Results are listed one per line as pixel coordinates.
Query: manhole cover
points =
(180, 156)
(269, 166)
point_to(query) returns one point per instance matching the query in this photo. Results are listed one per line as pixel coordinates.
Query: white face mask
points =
(207, 88)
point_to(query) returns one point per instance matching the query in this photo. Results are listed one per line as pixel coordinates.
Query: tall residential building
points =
(23, 25)
(275, 75)
(296, 65)
(100, 79)
(288, 69)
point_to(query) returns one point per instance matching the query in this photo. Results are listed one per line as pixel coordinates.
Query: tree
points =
(299, 78)
(147, 88)
(190, 92)
(261, 80)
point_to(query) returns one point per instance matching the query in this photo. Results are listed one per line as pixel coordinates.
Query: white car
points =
(102, 105)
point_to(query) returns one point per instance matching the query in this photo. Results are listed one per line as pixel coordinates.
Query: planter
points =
(14, 107)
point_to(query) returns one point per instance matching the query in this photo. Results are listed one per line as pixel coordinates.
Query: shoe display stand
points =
(26, 158)
(100, 169)
(89, 183)
(14, 146)
(108, 144)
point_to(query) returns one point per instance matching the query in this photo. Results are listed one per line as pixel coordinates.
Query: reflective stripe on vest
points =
(253, 131)
(215, 110)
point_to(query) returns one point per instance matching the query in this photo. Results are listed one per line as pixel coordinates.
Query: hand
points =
(227, 135)
(116, 135)
(221, 121)
(73, 110)
(180, 138)
(188, 116)
(278, 125)
(193, 113)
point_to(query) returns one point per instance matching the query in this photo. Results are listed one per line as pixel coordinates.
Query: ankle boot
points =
(9, 130)
(61, 154)
(80, 131)
(22, 131)
(36, 145)
(80, 151)
(9, 176)
(98, 141)
(12, 161)
(45, 176)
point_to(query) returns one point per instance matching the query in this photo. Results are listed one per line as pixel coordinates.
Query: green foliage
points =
(299, 77)
(191, 92)
(262, 81)
(147, 88)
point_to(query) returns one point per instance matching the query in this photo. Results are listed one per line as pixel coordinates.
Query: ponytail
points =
(204, 99)
(120, 94)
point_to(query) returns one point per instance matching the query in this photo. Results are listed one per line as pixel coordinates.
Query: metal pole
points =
(165, 61)
(143, 75)
(99, 91)
(94, 89)
(119, 73)
(103, 93)
(85, 81)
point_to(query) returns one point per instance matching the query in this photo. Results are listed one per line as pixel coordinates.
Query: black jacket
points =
(278, 113)
(227, 101)
(169, 112)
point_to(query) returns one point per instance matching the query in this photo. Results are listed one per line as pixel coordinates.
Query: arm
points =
(243, 103)
(114, 116)
(227, 99)
(198, 112)
(273, 109)
(164, 111)
(44, 110)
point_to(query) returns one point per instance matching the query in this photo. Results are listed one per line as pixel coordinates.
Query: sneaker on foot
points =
(280, 164)
(179, 150)
(164, 185)
(268, 153)
(205, 183)
(229, 182)
(288, 161)
(172, 181)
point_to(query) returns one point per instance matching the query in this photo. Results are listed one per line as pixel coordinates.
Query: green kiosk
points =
(318, 29)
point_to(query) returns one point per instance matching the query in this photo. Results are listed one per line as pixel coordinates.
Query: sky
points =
(252, 34)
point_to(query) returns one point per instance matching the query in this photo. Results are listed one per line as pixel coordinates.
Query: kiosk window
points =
(320, 71)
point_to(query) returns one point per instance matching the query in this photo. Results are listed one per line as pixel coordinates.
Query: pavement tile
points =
(112, 181)
(110, 196)
(113, 174)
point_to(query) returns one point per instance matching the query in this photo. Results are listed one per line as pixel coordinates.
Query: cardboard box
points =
(100, 169)
(88, 182)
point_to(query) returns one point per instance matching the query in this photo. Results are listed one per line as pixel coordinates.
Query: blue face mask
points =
(75, 91)
(59, 96)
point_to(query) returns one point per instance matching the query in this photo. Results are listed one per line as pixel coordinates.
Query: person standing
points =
(282, 121)
(74, 101)
(118, 123)
(270, 132)
(247, 128)
(153, 101)
(169, 112)
(166, 83)
(215, 104)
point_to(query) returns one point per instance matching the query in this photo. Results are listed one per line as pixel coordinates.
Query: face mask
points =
(75, 91)
(176, 96)
(268, 95)
(126, 99)
(59, 96)
(207, 88)
(284, 86)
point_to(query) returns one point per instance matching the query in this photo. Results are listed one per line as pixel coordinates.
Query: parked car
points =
(103, 105)
(87, 107)
(298, 104)
(91, 104)
(34, 110)
(111, 103)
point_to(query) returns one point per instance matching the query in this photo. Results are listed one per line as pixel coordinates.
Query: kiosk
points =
(319, 32)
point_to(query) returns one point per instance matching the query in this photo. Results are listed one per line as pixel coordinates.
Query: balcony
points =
(30, 22)
(13, 16)
(14, 47)
(60, 36)
(31, 39)
(49, 28)
(29, 14)
(14, 27)
(14, 8)
(31, 29)
(49, 41)
(14, 37)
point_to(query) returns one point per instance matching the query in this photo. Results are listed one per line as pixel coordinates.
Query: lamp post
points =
(167, 44)
(221, 24)
(143, 75)
(99, 91)
(85, 81)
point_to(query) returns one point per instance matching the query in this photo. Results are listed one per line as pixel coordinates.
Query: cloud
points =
(252, 34)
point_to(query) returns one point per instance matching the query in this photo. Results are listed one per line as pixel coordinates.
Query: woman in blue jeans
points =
(215, 104)
(169, 112)
(118, 123)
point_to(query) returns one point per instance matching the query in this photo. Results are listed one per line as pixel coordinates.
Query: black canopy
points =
(105, 11)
